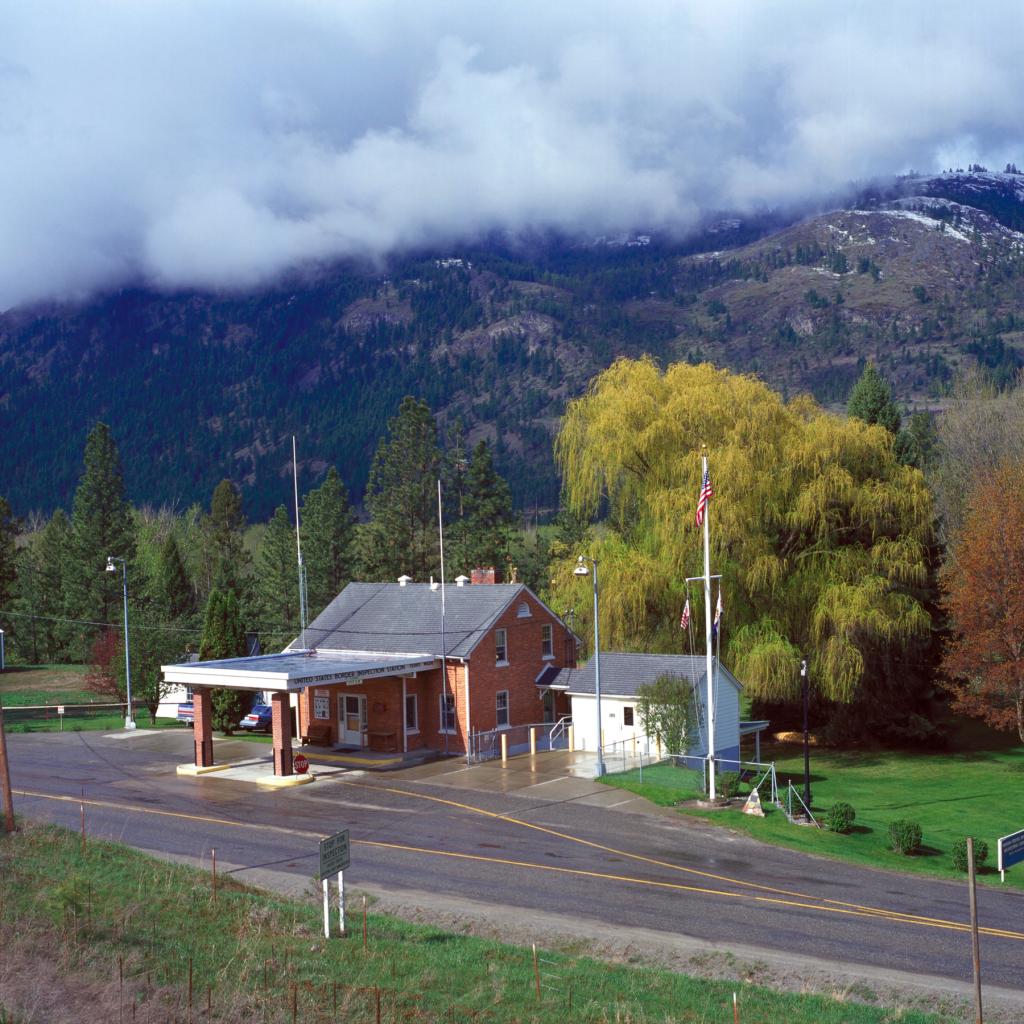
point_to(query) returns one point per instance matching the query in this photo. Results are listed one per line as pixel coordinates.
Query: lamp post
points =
(807, 746)
(129, 722)
(582, 570)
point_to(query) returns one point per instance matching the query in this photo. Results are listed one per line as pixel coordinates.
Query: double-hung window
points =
(501, 646)
(412, 713)
(547, 641)
(501, 709)
(447, 712)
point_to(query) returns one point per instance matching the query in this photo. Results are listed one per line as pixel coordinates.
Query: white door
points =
(352, 723)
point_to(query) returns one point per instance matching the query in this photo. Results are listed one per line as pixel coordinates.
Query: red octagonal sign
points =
(301, 764)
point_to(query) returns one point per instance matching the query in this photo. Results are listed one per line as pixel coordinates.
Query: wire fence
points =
(519, 739)
(58, 717)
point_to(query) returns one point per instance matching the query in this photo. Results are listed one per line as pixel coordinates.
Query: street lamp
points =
(111, 567)
(582, 570)
(807, 747)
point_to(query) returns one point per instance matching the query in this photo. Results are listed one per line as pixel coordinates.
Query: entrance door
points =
(549, 706)
(352, 720)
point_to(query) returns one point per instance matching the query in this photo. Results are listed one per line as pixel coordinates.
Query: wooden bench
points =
(384, 742)
(318, 734)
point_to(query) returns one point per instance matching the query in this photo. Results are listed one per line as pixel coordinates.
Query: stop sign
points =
(300, 764)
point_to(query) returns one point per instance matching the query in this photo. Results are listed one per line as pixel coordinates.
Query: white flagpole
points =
(710, 711)
(303, 611)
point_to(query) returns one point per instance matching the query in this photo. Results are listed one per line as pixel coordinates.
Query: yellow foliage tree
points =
(820, 533)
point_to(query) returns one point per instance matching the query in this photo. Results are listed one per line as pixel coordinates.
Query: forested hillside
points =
(922, 278)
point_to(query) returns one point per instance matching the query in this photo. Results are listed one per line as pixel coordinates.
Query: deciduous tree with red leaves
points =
(983, 593)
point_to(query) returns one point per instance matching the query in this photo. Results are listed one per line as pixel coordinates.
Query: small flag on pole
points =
(684, 621)
(718, 613)
(705, 496)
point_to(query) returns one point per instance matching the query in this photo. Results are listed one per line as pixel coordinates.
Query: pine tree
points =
(871, 401)
(223, 637)
(230, 564)
(173, 595)
(47, 592)
(401, 498)
(482, 535)
(277, 576)
(101, 526)
(8, 563)
(327, 541)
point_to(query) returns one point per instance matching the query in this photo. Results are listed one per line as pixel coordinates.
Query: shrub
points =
(840, 818)
(905, 836)
(728, 784)
(960, 854)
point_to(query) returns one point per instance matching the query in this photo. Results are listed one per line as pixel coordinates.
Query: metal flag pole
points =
(303, 611)
(444, 655)
(709, 661)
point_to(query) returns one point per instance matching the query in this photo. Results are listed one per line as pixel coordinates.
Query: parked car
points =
(261, 717)
(187, 713)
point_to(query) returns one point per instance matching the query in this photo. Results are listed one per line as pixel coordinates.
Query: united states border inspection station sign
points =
(334, 854)
(1011, 850)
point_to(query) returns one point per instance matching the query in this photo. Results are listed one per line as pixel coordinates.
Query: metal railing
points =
(486, 745)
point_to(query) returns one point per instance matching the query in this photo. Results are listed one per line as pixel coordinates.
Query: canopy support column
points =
(202, 726)
(282, 727)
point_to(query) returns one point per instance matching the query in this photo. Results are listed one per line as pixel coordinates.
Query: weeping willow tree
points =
(820, 533)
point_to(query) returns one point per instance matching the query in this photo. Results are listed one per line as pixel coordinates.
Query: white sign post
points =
(60, 715)
(1011, 851)
(334, 858)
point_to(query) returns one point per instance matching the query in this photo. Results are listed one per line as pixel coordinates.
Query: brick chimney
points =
(485, 575)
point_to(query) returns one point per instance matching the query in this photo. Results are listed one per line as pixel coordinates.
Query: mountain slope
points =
(922, 277)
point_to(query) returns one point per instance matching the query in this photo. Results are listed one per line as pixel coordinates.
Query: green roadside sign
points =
(334, 854)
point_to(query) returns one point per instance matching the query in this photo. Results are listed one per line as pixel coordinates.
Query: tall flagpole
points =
(444, 655)
(303, 610)
(707, 634)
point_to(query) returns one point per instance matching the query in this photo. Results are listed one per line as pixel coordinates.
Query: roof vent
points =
(403, 580)
(461, 581)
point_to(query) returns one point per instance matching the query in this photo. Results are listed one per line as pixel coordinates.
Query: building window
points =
(547, 641)
(412, 713)
(524, 611)
(501, 709)
(501, 646)
(447, 712)
(627, 716)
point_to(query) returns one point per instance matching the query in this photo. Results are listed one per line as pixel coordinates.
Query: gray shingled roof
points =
(390, 617)
(622, 673)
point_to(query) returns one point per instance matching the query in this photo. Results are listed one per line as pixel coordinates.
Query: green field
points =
(126, 928)
(951, 795)
(44, 684)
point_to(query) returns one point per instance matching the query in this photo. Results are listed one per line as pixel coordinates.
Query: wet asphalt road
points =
(565, 856)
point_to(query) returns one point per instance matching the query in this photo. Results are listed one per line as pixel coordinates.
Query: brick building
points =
(499, 642)
(379, 668)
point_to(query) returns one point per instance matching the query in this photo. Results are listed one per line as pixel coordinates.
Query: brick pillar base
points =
(202, 727)
(282, 725)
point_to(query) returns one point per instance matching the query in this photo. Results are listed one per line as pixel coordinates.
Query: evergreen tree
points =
(8, 563)
(327, 541)
(277, 576)
(401, 498)
(223, 637)
(173, 595)
(871, 401)
(101, 526)
(230, 564)
(482, 535)
(47, 591)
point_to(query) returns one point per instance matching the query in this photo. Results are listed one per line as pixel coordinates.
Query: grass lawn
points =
(131, 930)
(44, 684)
(975, 791)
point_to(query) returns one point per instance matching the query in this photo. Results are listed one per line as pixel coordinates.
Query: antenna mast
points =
(298, 549)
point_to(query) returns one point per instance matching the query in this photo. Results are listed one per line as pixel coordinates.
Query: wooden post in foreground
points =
(975, 948)
(5, 777)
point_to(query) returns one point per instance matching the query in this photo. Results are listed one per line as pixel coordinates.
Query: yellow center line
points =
(861, 908)
(815, 905)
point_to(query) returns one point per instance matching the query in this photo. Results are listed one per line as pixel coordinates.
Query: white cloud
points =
(219, 144)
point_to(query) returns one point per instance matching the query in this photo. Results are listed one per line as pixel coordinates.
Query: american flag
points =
(684, 621)
(705, 496)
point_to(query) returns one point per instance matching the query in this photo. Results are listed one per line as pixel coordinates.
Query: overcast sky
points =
(217, 144)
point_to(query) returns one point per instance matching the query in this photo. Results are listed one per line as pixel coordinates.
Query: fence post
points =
(572, 738)
(504, 747)
(533, 740)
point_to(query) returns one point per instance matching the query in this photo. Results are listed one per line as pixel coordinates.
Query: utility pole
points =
(975, 948)
(5, 777)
